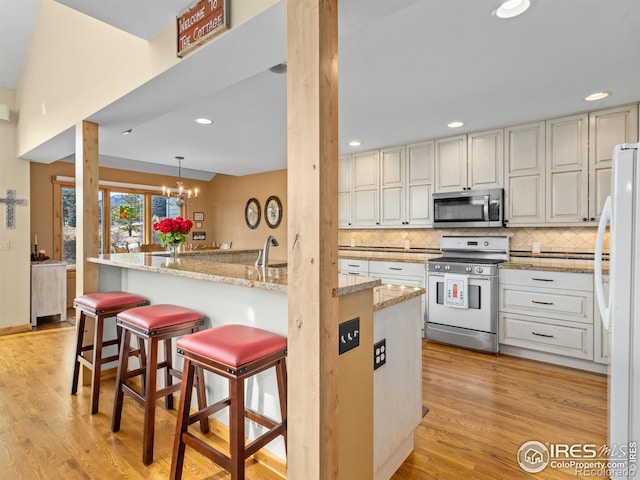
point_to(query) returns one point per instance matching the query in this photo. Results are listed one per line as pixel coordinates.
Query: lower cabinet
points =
(548, 312)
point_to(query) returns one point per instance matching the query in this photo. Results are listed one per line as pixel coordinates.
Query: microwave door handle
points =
(486, 208)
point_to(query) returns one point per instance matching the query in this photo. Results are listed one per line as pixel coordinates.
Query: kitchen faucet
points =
(263, 255)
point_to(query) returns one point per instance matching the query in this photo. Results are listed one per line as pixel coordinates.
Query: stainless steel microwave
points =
(469, 209)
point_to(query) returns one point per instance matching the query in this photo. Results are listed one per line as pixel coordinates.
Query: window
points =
(69, 225)
(126, 226)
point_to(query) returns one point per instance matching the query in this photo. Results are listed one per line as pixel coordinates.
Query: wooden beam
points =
(87, 173)
(312, 158)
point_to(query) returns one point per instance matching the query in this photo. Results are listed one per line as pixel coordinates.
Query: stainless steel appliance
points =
(462, 288)
(469, 209)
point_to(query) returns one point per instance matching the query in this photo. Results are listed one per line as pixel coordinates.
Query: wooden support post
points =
(87, 173)
(312, 159)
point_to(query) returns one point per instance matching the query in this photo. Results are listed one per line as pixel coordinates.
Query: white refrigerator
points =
(621, 313)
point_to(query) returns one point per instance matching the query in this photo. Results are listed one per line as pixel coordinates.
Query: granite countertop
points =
(553, 264)
(391, 254)
(190, 266)
(386, 295)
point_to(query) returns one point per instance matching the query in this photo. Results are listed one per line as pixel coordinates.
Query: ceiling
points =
(406, 69)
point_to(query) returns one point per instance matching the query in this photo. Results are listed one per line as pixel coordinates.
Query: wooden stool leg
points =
(150, 402)
(281, 374)
(79, 342)
(120, 378)
(201, 392)
(168, 378)
(236, 428)
(182, 425)
(97, 363)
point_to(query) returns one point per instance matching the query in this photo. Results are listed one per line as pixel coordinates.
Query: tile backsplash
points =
(551, 239)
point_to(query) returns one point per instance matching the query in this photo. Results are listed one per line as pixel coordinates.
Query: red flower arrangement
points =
(173, 231)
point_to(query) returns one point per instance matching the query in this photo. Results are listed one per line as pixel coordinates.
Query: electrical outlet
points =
(349, 335)
(379, 353)
(535, 247)
(5, 246)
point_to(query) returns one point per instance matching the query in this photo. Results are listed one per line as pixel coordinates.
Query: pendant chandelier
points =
(180, 196)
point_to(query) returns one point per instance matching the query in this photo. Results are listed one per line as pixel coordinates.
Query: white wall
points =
(14, 263)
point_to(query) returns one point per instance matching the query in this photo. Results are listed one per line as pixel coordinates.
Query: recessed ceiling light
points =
(596, 96)
(126, 132)
(512, 8)
(204, 121)
(355, 143)
(455, 124)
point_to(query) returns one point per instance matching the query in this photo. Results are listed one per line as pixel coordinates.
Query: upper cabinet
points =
(345, 191)
(451, 164)
(364, 208)
(567, 169)
(524, 174)
(391, 187)
(607, 128)
(419, 184)
(469, 162)
(554, 172)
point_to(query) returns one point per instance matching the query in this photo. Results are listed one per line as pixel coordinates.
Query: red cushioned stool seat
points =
(99, 306)
(151, 324)
(235, 352)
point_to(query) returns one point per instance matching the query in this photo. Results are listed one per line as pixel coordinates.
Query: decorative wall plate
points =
(273, 211)
(252, 213)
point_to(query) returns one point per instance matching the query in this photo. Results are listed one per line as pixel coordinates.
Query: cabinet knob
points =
(506, 221)
(377, 223)
(592, 219)
(584, 219)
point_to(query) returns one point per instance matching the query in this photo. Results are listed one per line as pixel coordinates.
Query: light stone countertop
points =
(552, 265)
(203, 268)
(386, 295)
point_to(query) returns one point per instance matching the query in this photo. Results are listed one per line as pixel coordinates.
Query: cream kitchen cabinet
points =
(567, 169)
(469, 162)
(578, 151)
(366, 186)
(353, 266)
(451, 164)
(607, 128)
(525, 174)
(419, 184)
(345, 191)
(547, 311)
(392, 186)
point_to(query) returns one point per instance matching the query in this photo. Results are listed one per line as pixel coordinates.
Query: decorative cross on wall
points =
(11, 201)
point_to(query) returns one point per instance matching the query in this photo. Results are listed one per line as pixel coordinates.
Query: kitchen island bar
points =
(238, 293)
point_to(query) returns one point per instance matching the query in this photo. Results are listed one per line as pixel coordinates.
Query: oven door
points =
(483, 302)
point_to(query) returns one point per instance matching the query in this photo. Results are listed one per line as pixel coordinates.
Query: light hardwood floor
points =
(482, 408)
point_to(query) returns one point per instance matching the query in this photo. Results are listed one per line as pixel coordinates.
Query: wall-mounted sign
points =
(199, 235)
(200, 23)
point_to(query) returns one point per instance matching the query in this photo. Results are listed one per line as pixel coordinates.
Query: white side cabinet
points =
(392, 186)
(48, 290)
(547, 311)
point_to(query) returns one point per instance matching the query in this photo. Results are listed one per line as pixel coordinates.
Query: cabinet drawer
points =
(351, 266)
(404, 269)
(563, 338)
(571, 305)
(547, 279)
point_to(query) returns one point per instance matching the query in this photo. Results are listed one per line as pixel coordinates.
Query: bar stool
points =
(99, 306)
(235, 352)
(151, 324)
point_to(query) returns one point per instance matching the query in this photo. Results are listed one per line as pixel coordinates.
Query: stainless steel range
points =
(463, 292)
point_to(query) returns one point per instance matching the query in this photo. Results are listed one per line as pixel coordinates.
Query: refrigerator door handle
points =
(602, 228)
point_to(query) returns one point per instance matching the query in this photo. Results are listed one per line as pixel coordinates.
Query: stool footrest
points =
(259, 418)
(206, 450)
(262, 440)
(210, 410)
